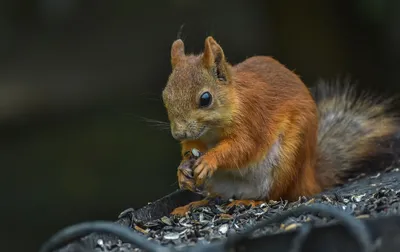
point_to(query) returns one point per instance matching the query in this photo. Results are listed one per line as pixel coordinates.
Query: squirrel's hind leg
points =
(182, 210)
(252, 203)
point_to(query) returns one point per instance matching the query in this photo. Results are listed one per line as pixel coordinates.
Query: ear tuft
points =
(213, 53)
(177, 52)
(214, 59)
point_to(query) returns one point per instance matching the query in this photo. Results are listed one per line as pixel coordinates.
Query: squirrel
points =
(264, 134)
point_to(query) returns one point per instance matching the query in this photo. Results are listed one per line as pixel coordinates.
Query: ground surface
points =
(365, 197)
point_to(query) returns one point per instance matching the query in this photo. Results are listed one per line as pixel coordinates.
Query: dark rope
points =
(299, 240)
(68, 234)
(354, 226)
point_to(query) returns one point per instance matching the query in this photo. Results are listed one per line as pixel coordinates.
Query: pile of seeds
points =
(366, 197)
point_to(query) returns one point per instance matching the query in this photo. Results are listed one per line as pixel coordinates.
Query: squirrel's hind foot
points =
(182, 210)
(252, 203)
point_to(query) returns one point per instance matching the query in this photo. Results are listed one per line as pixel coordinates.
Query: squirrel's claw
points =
(203, 169)
(185, 182)
(185, 176)
(182, 210)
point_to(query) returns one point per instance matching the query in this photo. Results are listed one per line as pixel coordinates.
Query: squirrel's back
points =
(354, 129)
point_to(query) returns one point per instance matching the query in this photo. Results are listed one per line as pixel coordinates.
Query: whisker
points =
(155, 123)
(161, 125)
(175, 183)
(151, 97)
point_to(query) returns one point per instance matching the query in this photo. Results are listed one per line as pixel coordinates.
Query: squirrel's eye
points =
(205, 99)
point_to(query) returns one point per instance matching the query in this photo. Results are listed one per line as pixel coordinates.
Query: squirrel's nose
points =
(178, 135)
(178, 131)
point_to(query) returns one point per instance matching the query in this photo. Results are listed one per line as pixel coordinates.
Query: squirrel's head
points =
(198, 93)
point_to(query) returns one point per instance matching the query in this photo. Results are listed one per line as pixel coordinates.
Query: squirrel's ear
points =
(214, 58)
(177, 52)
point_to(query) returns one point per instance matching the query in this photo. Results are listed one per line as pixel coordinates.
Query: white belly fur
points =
(253, 182)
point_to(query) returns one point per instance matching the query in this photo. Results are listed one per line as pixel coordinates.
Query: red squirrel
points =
(263, 134)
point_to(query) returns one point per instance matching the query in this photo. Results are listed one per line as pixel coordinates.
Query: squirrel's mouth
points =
(201, 132)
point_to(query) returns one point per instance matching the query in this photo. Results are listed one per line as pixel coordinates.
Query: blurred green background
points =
(76, 78)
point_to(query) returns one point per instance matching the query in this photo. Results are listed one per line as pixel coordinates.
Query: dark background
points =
(77, 76)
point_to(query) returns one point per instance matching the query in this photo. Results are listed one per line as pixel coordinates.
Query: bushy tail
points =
(356, 132)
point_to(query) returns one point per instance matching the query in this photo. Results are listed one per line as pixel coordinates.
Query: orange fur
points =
(251, 203)
(181, 211)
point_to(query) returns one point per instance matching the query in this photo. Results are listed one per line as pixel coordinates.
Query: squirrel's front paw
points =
(204, 168)
(185, 182)
(185, 175)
